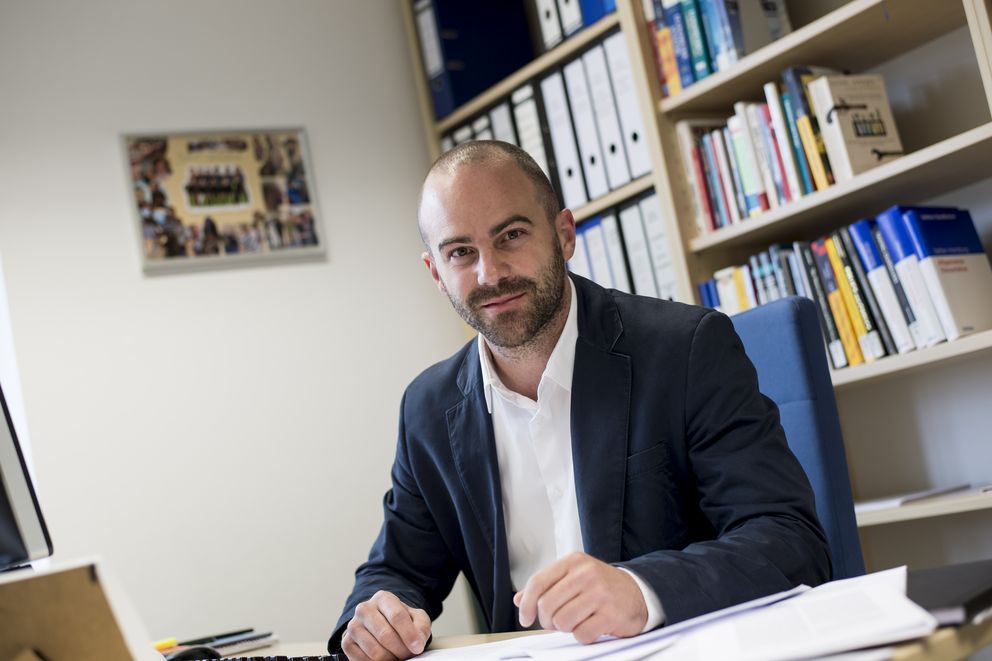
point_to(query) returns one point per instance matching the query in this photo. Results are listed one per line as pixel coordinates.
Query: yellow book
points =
(847, 296)
(809, 141)
(669, 65)
(740, 289)
(836, 302)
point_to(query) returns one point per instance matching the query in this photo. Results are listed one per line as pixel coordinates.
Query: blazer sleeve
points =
(751, 489)
(409, 557)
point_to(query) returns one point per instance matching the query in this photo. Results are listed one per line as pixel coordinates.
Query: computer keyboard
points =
(332, 657)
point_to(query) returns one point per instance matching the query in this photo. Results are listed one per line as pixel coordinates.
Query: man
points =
(596, 463)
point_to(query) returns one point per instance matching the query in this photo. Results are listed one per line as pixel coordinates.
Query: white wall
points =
(223, 438)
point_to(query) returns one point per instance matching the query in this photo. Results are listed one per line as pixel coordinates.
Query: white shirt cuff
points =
(656, 614)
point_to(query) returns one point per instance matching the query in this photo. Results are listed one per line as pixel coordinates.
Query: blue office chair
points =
(784, 341)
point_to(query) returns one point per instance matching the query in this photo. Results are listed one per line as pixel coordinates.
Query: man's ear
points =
(565, 229)
(432, 269)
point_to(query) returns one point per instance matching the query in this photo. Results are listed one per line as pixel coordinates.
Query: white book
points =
(688, 132)
(559, 119)
(753, 122)
(579, 264)
(881, 284)
(954, 266)
(501, 121)
(754, 188)
(761, 23)
(528, 122)
(783, 140)
(904, 498)
(658, 247)
(607, 121)
(725, 289)
(590, 151)
(462, 134)
(726, 176)
(481, 129)
(636, 243)
(599, 261)
(570, 14)
(614, 250)
(628, 107)
(447, 143)
(855, 118)
(547, 16)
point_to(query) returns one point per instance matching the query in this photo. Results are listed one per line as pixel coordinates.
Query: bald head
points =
(495, 154)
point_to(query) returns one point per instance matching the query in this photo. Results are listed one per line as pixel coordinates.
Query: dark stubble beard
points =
(516, 328)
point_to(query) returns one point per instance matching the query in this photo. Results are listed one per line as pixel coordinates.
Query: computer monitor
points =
(23, 533)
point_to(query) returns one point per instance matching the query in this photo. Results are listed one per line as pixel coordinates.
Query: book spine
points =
(702, 196)
(809, 273)
(754, 193)
(795, 141)
(821, 102)
(728, 28)
(777, 167)
(758, 280)
(874, 310)
(717, 46)
(743, 290)
(854, 312)
(726, 176)
(735, 170)
(712, 181)
(666, 54)
(772, 291)
(696, 38)
(750, 114)
(780, 135)
(672, 10)
(907, 265)
(795, 269)
(905, 307)
(880, 286)
(809, 132)
(726, 290)
(837, 306)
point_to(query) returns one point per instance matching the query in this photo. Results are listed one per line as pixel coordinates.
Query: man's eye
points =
(458, 252)
(513, 234)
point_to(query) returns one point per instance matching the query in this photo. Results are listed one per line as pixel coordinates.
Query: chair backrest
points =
(784, 341)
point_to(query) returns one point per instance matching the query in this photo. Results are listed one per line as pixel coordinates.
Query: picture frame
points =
(222, 198)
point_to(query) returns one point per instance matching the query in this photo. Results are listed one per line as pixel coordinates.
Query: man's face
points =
(494, 252)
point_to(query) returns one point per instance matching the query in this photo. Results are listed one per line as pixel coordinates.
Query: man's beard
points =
(516, 328)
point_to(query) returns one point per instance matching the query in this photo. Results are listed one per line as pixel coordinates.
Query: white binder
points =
(579, 264)
(501, 122)
(571, 16)
(481, 129)
(462, 134)
(614, 250)
(654, 228)
(573, 187)
(447, 142)
(599, 261)
(631, 121)
(607, 121)
(528, 123)
(547, 17)
(585, 129)
(636, 242)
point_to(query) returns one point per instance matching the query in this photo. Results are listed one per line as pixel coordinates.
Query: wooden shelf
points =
(952, 503)
(556, 56)
(969, 346)
(613, 198)
(856, 37)
(946, 165)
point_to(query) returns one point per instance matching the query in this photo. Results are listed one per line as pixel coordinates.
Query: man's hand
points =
(385, 629)
(581, 595)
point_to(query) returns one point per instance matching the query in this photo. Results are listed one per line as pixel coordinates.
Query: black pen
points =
(209, 639)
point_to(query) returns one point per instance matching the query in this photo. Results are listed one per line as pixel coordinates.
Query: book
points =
(813, 285)
(780, 133)
(726, 176)
(796, 80)
(953, 594)
(904, 498)
(726, 290)
(666, 55)
(689, 132)
(696, 39)
(954, 266)
(795, 140)
(850, 257)
(735, 170)
(861, 320)
(880, 285)
(754, 190)
(756, 23)
(915, 330)
(907, 265)
(671, 12)
(855, 119)
(722, 53)
(752, 115)
(838, 309)
(714, 183)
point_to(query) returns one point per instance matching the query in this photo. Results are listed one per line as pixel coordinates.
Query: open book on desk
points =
(836, 617)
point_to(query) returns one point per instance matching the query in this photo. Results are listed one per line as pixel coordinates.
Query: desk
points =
(946, 644)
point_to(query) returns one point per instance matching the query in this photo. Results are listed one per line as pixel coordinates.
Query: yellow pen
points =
(164, 644)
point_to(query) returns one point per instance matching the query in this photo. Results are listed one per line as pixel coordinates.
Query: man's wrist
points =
(656, 613)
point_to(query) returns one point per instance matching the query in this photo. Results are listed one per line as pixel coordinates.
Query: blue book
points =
(713, 292)
(713, 181)
(805, 177)
(704, 294)
(593, 10)
(955, 268)
(457, 40)
(892, 303)
(702, 66)
(907, 265)
(672, 14)
(716, 43)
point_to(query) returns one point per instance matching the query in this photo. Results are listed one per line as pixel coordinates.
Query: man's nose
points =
(491, 268)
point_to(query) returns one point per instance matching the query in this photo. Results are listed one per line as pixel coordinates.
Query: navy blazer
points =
(682, 471)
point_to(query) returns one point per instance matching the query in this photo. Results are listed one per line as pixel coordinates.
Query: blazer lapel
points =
(473, 448)
(601, 385)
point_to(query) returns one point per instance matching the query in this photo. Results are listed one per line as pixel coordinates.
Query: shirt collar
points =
(561, 363)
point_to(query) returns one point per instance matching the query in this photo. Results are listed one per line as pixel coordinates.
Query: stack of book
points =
(908, 279)
(816, 129)
(694, 38)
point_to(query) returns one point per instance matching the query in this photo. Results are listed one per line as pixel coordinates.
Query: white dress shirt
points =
(534, 449)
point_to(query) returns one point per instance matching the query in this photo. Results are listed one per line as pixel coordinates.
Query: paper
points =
(897, 501)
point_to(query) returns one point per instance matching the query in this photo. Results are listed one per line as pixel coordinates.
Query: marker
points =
(164, 644)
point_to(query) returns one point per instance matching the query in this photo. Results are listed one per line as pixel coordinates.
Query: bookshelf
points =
(945, 155)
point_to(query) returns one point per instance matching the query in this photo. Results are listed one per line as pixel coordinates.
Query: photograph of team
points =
(220, 195)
